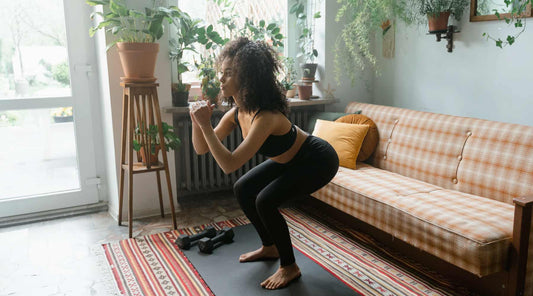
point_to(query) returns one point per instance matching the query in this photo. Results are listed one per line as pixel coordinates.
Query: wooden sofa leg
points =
(520, 245)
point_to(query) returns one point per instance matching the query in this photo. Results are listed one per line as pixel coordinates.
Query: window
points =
(220, 13)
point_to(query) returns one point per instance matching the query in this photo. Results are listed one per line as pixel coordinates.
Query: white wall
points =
(476, 80)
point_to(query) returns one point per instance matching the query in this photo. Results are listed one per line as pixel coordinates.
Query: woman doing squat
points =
(297, 164)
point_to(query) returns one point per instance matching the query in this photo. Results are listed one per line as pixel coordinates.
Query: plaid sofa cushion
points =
(439, 221)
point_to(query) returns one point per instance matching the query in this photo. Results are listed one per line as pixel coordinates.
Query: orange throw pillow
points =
(346, 139)
(372, 136)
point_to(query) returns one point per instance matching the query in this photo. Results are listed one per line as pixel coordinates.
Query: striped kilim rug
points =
(153, 265)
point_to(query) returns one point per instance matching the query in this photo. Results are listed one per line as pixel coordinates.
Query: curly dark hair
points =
(256, 64)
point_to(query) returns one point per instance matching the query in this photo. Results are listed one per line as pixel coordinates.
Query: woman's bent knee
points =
(265, 205)
(243, 188)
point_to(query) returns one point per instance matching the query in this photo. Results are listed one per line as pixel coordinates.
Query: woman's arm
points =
(223, 129)
(227, 160)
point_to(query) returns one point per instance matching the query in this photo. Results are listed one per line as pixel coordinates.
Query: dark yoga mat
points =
(226, 276)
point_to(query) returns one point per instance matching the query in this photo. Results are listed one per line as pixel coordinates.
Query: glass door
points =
(47, 158)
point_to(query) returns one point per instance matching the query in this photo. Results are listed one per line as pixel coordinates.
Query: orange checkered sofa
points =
(458, 188)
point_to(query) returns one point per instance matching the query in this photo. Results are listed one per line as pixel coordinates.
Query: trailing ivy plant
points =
(516, 18)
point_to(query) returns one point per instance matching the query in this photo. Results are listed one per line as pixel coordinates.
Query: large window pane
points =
(38, 152)
(237, 11)
(33, 52)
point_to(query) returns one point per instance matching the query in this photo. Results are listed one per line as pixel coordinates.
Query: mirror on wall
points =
(483, 10)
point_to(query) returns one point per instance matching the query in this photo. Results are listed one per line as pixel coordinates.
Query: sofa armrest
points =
(520, 244)
(524, 201)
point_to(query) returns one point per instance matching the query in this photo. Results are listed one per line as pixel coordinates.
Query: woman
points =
(298, 162)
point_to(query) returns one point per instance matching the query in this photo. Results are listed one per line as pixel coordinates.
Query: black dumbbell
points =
(207, 245)
(184, 241)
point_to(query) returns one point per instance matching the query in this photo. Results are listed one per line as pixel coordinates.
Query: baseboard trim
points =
(53, 214)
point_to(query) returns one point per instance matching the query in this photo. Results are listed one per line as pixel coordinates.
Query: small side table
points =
(140, 108)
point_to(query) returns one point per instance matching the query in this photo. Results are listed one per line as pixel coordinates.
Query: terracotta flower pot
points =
(438, 23)
(291, 93)
(154, 159)
(305, 92)
(138, 60)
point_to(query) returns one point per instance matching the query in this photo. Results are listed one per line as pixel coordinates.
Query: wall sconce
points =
(446, 34)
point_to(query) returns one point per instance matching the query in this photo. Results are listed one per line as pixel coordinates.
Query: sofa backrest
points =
(486, 158)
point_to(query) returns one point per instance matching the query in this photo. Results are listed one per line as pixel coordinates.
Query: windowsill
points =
(293, 102)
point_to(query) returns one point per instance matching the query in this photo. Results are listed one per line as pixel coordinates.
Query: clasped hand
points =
(201, 113)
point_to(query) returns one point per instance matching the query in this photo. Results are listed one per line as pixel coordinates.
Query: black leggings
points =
(265, 187)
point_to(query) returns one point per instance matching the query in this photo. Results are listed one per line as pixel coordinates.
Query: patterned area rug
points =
(153, 265)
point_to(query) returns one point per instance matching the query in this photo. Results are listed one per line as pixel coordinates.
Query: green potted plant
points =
(353, 51)
(289, 76)
(188, 33)
(209, 82)
(437, 12)
(63, 114)
(136, 34)
(184, 39)
(306, 42)
(171, 141)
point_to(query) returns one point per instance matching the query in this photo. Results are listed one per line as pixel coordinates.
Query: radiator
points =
(200, 174)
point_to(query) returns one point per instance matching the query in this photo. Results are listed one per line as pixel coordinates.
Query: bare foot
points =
(263, 253)
(283, 277)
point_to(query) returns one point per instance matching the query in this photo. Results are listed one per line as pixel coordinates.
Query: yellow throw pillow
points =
(372, 136)
(346, 139)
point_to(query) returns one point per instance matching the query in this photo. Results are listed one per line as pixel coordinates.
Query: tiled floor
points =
(56, 258)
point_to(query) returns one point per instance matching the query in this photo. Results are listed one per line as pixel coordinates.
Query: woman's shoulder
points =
(269, 116)
(231, 115)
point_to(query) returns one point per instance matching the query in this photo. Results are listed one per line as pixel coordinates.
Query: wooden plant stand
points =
(140, 108)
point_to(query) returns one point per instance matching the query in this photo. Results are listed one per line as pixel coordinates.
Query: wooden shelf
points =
(138, 167)
(140, 107)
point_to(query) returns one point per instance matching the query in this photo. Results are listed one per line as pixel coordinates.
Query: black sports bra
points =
(274, 145)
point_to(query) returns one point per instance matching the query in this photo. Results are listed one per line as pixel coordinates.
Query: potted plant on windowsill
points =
(210, 84)
(136, 35)
(185, 37)
(152, 133)
(306, 44)
(188, 33)
(63, 114)
(289, 79)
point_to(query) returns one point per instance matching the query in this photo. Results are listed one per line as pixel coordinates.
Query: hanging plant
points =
(353, 51)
